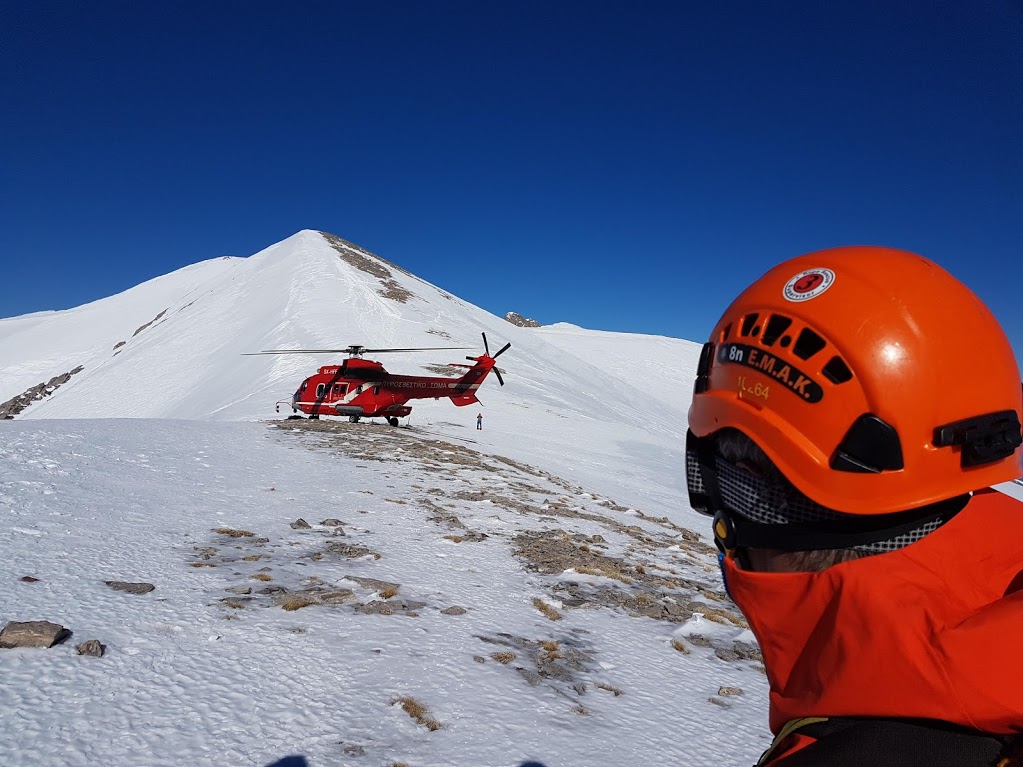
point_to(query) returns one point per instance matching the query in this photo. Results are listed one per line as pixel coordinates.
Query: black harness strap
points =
(854, 742)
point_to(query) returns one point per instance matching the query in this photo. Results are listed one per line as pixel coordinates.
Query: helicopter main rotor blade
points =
(498, 374)
(352, 350)
(296, 351)
(486, 347)
(418, 349)
(502, 350)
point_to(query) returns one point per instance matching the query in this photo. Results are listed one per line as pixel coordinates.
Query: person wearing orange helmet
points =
(851, 413)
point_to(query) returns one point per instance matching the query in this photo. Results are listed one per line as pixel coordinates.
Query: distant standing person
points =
(479, 422)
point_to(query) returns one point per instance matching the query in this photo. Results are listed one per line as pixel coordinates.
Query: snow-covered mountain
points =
(354, 594)
(173, 348)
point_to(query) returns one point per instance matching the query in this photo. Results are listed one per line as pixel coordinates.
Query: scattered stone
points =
(91, 647)
(352, 749)
(338, 531)
(239, 590)
(352, 552)
(532, 678)
(294, 600)
(300, 524)
(719, 702)
(231, 532)
(454, 610)
(130, 588)
(375, 584)
(32, 634)
(331, 522)
(479, 659)
(730, 691)
(397, 606)
(29, 579)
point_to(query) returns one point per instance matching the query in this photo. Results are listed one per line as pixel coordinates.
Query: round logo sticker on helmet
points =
(808, 284)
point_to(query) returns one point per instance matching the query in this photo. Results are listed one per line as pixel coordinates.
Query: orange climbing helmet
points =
(873, 379)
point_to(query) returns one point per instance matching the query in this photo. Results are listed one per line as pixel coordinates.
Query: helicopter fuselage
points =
(363, 388)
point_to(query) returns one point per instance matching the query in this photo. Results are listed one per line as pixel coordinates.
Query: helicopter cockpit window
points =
(344, 388)
(320, 389)
(376, 389)
(337, 389)
(302, 388)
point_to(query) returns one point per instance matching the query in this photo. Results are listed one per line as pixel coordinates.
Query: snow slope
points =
(568, 389)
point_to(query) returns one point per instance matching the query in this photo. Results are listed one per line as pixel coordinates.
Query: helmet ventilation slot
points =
(777, 325)
(837, 371)
(808, 344)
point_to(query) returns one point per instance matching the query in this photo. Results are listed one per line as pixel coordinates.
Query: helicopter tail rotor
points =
(486, 356)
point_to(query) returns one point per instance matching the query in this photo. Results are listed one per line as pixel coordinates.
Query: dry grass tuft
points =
(252, 558)
(679, 645)
(504, 657)
(582, 710)
(610, 688)
(201, 564)
(719, 616)
(546, 609)
(389, 592)
(262, 577)
(230, 532)
(455, 538)
(297, 603)
(417, 711)
(607, 571)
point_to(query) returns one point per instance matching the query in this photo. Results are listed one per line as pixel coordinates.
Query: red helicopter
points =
(360, 388)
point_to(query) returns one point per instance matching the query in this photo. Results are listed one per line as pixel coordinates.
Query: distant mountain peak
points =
(523, 322)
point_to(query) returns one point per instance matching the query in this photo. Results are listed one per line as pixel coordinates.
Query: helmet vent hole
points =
(785, 341)
(726, 332)
(777, 325)
(748, 322)
(808, 344)
(837, 371)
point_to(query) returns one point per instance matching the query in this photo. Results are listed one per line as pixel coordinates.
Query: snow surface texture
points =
(594, 629)
(538, 590)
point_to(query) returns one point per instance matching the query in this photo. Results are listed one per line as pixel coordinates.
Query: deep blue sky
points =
(619, 165)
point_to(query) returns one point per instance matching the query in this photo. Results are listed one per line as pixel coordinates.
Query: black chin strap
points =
(734, 532)
(844, 534)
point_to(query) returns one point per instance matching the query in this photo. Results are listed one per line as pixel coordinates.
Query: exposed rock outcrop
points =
(15, 405)
(523, 322)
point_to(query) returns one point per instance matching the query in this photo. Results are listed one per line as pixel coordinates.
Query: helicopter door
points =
(320, 390)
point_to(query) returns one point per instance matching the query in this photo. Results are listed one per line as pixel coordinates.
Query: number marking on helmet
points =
(808, 284)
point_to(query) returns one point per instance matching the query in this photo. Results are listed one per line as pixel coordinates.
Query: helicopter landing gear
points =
(314, 417)
(353, 419)
(392, 420)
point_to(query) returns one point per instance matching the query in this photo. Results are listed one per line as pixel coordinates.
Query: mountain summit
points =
(173, 347)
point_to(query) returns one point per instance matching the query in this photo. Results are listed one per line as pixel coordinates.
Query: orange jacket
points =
(932, 630)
